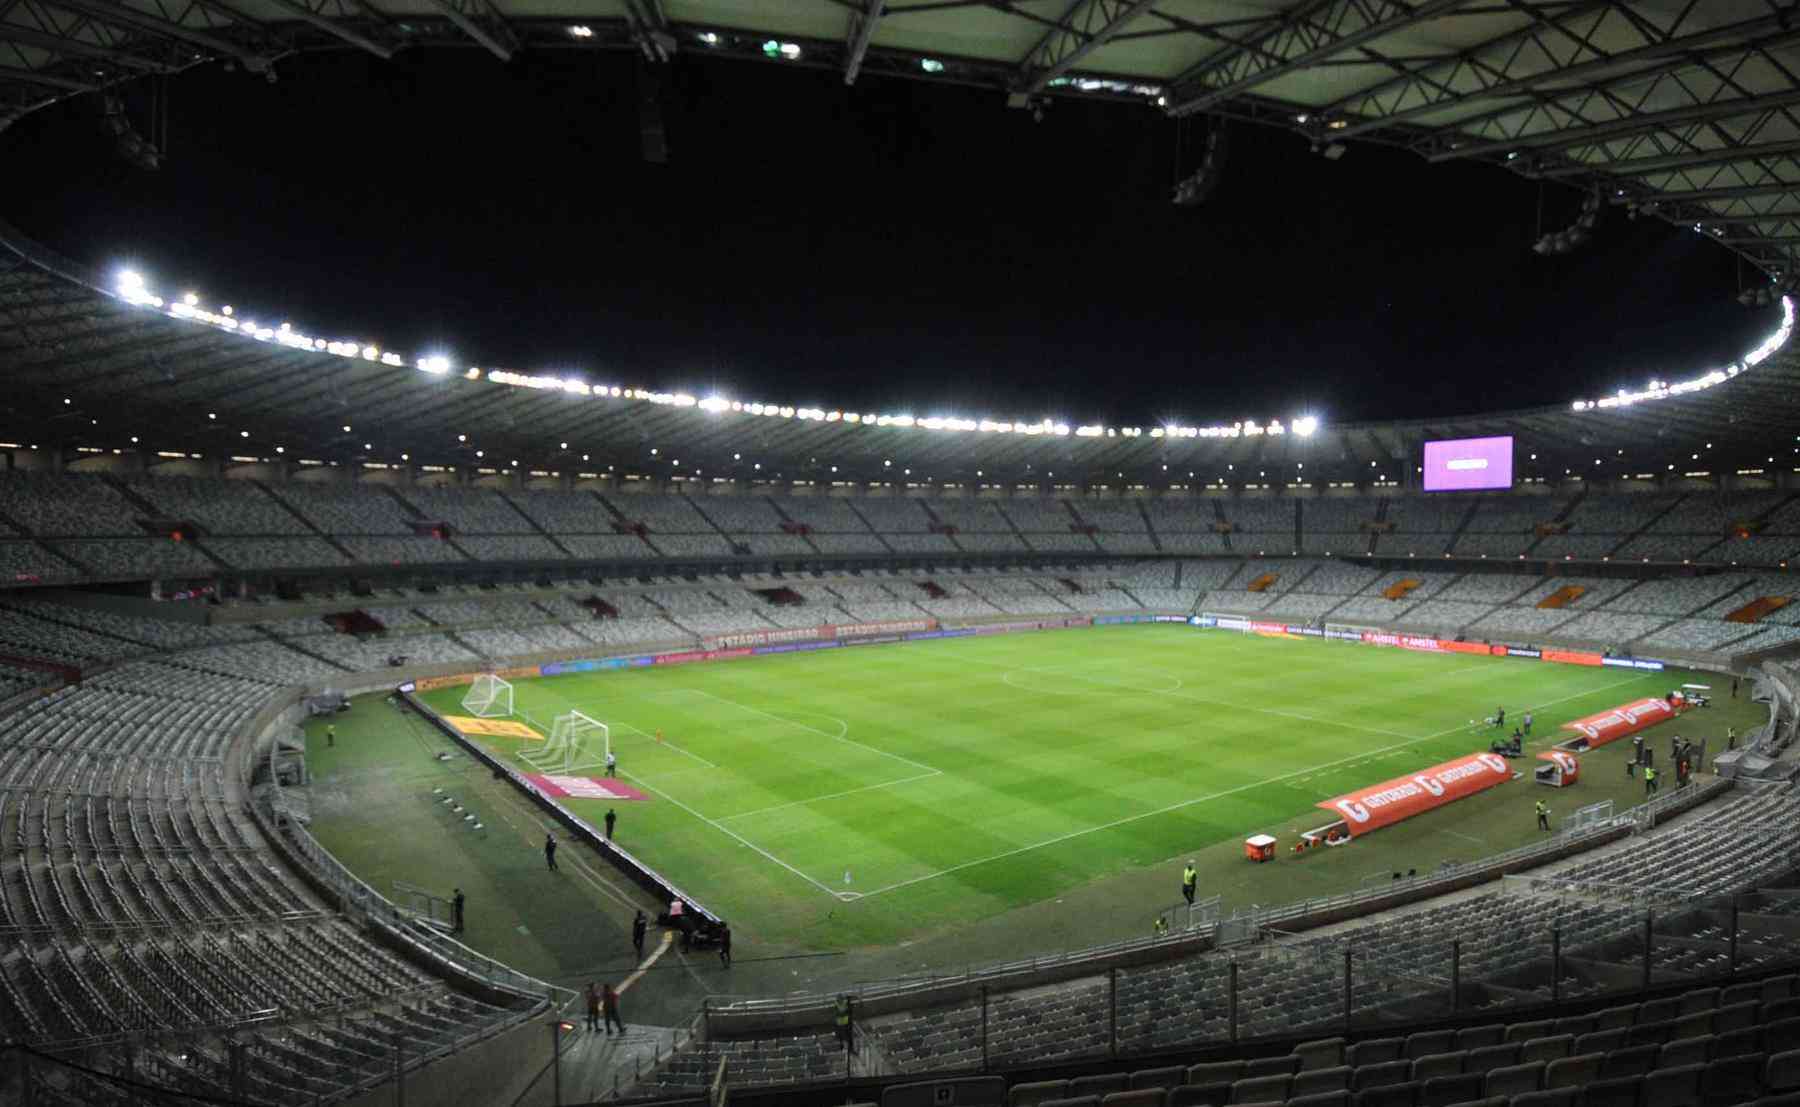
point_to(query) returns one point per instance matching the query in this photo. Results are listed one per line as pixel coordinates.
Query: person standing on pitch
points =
(612, 765)
(1500, 717)
(609, 1003)
(1189, 880)
(456, 906)
(1649, 780)
(638, 926)
(1731, 737)
(550, 851)
(611, 818)
(1527, 724)
(1543, 814)
(330, 735)
(1734, 681)
(724, 943)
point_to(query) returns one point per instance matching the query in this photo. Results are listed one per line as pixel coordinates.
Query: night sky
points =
(893, 246)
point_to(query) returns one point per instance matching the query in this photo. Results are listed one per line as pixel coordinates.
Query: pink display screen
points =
(1465, 464)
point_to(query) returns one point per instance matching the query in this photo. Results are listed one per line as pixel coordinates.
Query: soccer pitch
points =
(863, 795)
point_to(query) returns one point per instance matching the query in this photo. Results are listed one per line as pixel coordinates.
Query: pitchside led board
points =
(1469, 464)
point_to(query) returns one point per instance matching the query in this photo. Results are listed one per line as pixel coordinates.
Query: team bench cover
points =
(1622, 721)
(1387, 803)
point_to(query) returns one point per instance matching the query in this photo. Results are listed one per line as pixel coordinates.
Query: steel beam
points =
(32, 77)
(1449, 148)
(1694, 159)
(650, 29)
(58, 44)
(1313, 33)
(122, 16)
(1736, 192)
(862, 29)
(1085, 27)
(332, 27)
(1433, 88)
(480, 21)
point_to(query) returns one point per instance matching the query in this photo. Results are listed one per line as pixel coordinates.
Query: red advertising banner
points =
(1403, 797)
(1574, 657)
(1622, 721)
(828, 630)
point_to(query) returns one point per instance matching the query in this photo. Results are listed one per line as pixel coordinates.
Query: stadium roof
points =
(104, 364)
(1679, 108)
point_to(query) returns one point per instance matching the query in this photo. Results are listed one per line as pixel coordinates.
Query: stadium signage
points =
(826, 631)
(1391, 801)
(1622, 721)
(1421, 643)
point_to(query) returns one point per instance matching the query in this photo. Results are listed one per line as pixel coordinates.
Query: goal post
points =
(489, 697)
(576, 742)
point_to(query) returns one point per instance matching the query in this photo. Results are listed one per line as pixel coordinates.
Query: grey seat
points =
(1215, 1072)
(1427, 1042)
(1285, 1064)
(1549, 1097)
(1374, 1051)
(1676, 1087)
(1098, 1084)
(1438, 1064)
(1515, 1079)
(1547, 1049)
(1685, 1051)
(1737, 1016)
(1405, 1094)
(1492, 1057)
(1601, 1041)
(1169, 1076)
(1334, 1079)
(1616, 1017)
(1442, 1091)
(1525, 1031)
(1137, 1097)
(1474, 1037)
(1036, 1092)
(1338, 1098)
(1573, 1072)
(1261, 1089)
(1321, 1053)
(1781, 1072)
(1376, 1075)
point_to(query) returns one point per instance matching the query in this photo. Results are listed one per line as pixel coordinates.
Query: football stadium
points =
(378, 726)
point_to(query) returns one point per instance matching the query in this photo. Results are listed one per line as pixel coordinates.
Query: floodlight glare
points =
(1306, 425)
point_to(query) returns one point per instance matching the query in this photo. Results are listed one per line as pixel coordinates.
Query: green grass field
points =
(1051, 783)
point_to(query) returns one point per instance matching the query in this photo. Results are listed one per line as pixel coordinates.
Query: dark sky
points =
(895, 246)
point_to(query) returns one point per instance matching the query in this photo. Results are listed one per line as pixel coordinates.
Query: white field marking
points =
(1464, 837)
(662, 947)
(603, 886)
(815, 730)
(730, 833)
(833, 795)
(1219, 795)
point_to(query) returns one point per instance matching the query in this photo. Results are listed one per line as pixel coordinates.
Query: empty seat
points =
(1321, 1053)
(1601, 1041)
(1737, 1016)
(1334, 1079)
(1102, 1083)
(1549, 1097)
(1215, 1072)
(1575, 1024)
(1191, 1096)
(1427, 1042)
(1374, 1076)
(1676, 1087)
(1215, 1093)
(1620, 1091)
(1442, 1091)
(1515, 1079)
(1700, 999)
(1286, 1064)
(1694, 1024)
(1491, 1057)
(1650, 1033)
(1658, 1010)
(1547, 1049)
(1786, 1008)
(1437, 1064)
(1169, 1076)
(1573, 1072)
(1322, 1099)
(1630, 1061)
(1137, 1097)
(1780, 987)
(1616, 1017)
(1735, 1043)
(1686, 1051)
(1738, 993)
(1073, 1101)
(1474, 1037)
(1525, 1031)
(1390, 1095)
(1782, 1071)
(1036, 1092)
(1732, 1080)
(1374, 1051)
(1779, 1036)
(1260, 1089)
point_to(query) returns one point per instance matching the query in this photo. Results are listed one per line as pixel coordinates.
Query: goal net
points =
(576, 742)
(489, 697)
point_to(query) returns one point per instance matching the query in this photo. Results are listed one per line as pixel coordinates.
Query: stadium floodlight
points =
(489, 697)
(1305, 425)
(576, 742)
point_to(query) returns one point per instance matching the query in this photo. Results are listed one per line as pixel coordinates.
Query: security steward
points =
(1543, 814)
(1190, 879)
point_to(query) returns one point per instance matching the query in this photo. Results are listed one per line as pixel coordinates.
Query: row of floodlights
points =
(1662, 390)
(132, 287)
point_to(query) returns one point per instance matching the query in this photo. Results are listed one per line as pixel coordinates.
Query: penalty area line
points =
(730, 833)
(830, 796)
